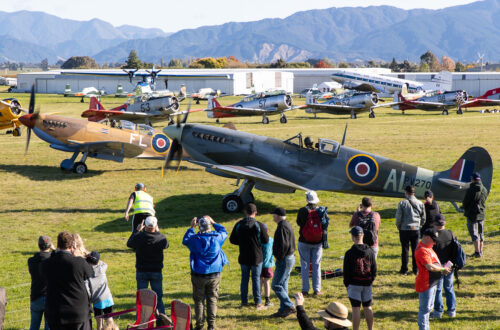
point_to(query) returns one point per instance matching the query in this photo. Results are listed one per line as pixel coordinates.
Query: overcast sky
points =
(172, 15)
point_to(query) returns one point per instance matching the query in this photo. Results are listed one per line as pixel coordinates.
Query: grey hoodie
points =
(408, 217)
(99, 283)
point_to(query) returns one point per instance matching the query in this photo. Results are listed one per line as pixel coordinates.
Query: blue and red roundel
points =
(361, 169)
(160, 143)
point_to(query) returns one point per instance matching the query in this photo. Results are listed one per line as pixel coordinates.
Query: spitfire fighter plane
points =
(204, 94)
(97, 140)
(279, 166)
(10, 111)
(261, 104)
(147, 111)
(347, 103)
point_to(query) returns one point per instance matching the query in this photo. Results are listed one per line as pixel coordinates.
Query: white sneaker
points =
(452, 314)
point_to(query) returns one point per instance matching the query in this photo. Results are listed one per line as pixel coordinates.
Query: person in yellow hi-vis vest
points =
(143, 206)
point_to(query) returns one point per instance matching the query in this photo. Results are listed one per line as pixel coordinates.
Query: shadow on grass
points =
(397, 315)
(46, 173)
(401, 296)
(177, 211)
(50, 210)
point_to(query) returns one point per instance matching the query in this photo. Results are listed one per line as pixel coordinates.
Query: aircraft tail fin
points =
(404, 90)
(495, 91)
(310, 99)
(95, 104)
(475, 159)
(440, 82)
(67, 88)
(119, 89)
(213, 103)
(182, 91)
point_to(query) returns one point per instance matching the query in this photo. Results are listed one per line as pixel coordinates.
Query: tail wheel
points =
(16, 131)
(232, 204)
(80, 168)
(445, 112)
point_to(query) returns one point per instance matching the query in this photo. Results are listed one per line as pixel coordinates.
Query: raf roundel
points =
(160, 143)
(362, 170)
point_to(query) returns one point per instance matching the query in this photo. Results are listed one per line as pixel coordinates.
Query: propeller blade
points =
(169, 155)
(28, 137)
(184, 119)
(31, 108)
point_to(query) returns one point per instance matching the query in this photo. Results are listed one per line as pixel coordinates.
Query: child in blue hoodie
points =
(267, 268)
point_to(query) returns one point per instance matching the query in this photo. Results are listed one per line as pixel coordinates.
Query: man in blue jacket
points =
(207, 260)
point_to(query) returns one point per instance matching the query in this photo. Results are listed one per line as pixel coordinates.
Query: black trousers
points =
(137, 219)
(407, 238)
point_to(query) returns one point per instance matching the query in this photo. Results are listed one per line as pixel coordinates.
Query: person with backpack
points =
(446, 252)
(249, 234)
(360, 270)
(474, 205)
(369, 221)
(310, 243)
(431, 210)
(410, 216)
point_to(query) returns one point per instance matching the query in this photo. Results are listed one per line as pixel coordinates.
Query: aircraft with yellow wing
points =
(10, 111)
(108, 140)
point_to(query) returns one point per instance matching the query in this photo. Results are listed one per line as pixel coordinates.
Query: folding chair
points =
(181, 315)
(146, 301)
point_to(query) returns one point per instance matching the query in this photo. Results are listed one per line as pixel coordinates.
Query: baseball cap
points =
(139, 186)
(431, 232)
(44, 242)
(428, 193)
(203, 224)
(476, 176)
(93, 257)
(356, 231)
(279, 211)
(151, 221)
(312, 197)
(439, 220)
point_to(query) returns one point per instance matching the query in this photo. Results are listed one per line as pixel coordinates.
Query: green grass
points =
(38, 198)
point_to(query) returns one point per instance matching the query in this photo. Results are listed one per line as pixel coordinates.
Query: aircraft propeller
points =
(153, 73)
(130, 73)
(176, 147)
(27, 119)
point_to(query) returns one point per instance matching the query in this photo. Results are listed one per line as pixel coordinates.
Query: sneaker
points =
(318, 293)
(305, 293)
(452, 314)
(435, 315)
(269, 303)
(243, 305)
(260, 307)
(284, 313)
(476, 255)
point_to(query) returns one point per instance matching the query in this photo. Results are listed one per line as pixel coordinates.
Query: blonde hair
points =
(79, 247)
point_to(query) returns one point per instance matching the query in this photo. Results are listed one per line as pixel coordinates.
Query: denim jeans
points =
(156, 280)
(426, 303)
(37, 309)
(310, 253)
(280, 281)
(245, 277)
(446, 282)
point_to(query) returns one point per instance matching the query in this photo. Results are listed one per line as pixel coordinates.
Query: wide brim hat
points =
(336, 313)
(312, 197)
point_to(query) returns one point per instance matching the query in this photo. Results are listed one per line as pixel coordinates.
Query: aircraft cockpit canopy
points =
(145, 129)
(295, 140)
(125, 124)
(327, 146)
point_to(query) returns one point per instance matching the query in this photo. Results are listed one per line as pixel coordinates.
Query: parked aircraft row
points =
(268, 164)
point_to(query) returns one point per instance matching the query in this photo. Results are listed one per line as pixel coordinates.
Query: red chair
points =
(181, 315)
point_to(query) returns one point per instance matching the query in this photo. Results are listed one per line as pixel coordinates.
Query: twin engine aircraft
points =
(353, 103)
(10, 111)
(261, 104)
(279, 166)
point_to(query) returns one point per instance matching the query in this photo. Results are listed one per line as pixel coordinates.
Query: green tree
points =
(424, 67)
(280, 63)
(175, 63)
(343, 65)
(80, 62)
(431, 60)
(133, 61)
(45, 64)
(459, 67)
(394, 65)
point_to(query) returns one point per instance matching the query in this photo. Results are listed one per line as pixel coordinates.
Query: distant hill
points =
(342, 34)
(348, 33)
(59, 37)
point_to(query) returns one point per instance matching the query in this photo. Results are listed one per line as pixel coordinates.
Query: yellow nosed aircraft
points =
(109, 140)
(10, 111)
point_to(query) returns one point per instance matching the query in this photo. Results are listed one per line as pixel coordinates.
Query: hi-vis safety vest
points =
(143, 203)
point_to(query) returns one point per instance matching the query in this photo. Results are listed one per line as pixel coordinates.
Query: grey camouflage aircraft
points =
(279, 166)
(342, 104)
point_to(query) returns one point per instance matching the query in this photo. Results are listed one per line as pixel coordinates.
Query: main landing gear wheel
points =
(283, 119)
(16, 131)
(265, 120)
(217, 120)
(371, 115)
(445, 112)
(80, 168)
(459, 112)
(232, 204)
(353, 115)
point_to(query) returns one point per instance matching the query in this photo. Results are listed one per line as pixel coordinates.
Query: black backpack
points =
(368, 225)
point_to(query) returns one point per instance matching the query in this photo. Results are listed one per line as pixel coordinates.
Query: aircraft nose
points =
(174, 131)
(27, 120)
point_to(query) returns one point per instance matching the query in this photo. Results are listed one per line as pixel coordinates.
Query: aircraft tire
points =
(16, 131)
(232, 204)
(283, 120)
(459, 112)
(265, 120)
(80, 168)
(354, 116)
(445, 112)
(371, 115)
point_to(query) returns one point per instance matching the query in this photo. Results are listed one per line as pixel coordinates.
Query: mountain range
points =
(341, 34)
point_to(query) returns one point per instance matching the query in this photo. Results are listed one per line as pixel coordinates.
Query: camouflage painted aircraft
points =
(347, 103)
(261, 104)
(120, 92)
(278, 166)
(97, 140)
(10, 111)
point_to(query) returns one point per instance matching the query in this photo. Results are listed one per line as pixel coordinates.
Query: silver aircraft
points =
(283, 166)
(346, 103)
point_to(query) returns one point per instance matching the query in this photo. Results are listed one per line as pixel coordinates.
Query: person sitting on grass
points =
(335, 315)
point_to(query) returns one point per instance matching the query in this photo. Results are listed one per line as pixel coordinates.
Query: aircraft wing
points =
(482, 102)
(112, 148)
(250, 173)
(334, 108)
(244, 111)
(428, 105)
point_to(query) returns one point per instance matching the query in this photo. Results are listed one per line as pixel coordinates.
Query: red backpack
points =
(313, 230)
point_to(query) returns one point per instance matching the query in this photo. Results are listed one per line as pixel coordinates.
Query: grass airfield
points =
(38, 198)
